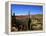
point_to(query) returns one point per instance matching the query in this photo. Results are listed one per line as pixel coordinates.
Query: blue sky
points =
(24, 9)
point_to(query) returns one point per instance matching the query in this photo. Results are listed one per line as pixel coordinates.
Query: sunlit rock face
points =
(36, 22)
(36, 27)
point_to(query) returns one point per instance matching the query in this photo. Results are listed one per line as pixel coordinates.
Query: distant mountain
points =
(31, 16)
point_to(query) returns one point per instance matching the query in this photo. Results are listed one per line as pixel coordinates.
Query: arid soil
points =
(20, 23)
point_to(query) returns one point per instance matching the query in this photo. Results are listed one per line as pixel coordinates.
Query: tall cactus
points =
(29, 20)
(13, 21)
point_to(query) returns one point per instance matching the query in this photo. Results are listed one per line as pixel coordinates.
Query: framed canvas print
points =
(25, 17)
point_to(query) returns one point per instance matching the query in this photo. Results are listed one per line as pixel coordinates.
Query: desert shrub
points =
(18, 22)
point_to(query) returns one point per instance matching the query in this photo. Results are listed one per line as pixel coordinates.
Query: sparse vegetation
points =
(21, 24)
